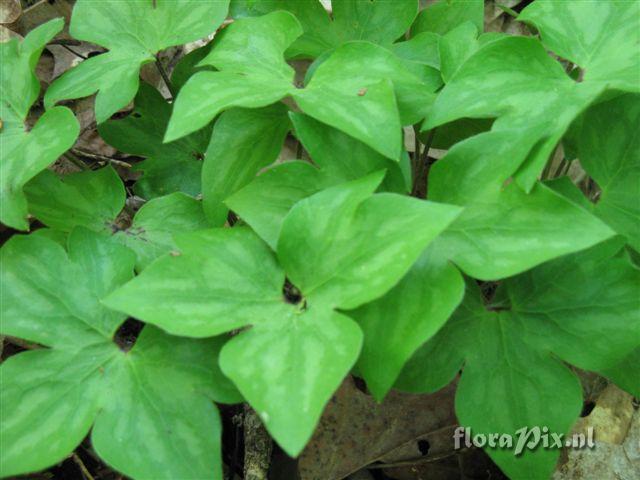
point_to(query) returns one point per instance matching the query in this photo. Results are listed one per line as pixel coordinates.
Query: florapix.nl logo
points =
(529, 438)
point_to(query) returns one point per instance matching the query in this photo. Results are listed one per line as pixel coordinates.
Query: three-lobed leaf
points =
(84, 379)
(361, 88)
(506, 348)
(344, 246)
(133, 32)
(25, 154)
(224, 279)
(525, 88)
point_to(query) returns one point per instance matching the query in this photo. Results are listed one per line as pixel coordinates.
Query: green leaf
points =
(24, 155)
(565, 187)
(288, 369)
(514, 231)
(92, 199)
(240, 284)
(170, 167)
(154, 225)
(252, 72)
(376, 21)
(344, 246)
(625, 374)
(167, 384)
(445, 15)
(266, 201)
(606, 49)
(455, 47)
(49, 401)
(361, 87)
(419, 305)
(19, 85)
(244, 141)
(57, 236)
(519, 384)
(526, 89)
(134, 32)
(421, 49)
(503, 230)
(354, 89)
(314, 21)
(466, 166)
(344, 158)
(63, 290)
(84, 246)
(613, 161)
(188, 65)
(57, 394)
(584, 307)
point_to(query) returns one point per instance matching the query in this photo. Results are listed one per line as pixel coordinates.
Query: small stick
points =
(83, 468)
(69, 155)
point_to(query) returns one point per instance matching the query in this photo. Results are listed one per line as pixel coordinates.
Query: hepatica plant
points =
(425, 231)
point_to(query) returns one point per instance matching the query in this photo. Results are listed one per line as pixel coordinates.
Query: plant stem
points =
(165, 77)
(420, 180)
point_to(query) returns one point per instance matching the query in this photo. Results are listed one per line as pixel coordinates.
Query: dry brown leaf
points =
(41, 12)
(355, 431)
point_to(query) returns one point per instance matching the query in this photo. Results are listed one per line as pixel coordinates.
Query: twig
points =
(83, 469)
(70, 156)
(165, 77)
(257, 447)
(100, 158)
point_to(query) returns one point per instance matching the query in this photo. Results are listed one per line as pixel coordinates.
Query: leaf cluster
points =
(471, 255)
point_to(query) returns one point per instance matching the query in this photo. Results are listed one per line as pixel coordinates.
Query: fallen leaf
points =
(355, 431)
(41, 12)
